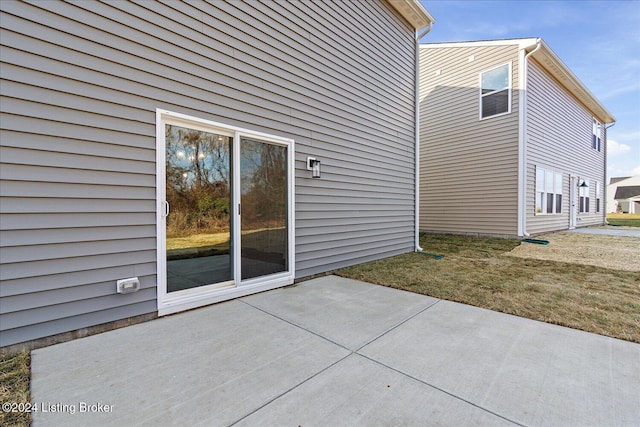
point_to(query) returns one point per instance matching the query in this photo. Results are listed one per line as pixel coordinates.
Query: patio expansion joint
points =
(396, 326)
(357, 352)
(297, 326)
(295, 386)
(351, 353)
(443, 391)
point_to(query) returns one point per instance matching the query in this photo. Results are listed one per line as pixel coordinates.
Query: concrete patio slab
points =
(530, 372)
(345, 311)
(359, 392)
(205, 367)
(294, 356)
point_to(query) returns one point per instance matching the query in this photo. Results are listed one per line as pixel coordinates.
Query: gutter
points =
(522, 143)
(417, 134)
(604, 182)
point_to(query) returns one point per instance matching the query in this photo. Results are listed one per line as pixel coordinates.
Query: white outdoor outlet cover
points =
(126, 286)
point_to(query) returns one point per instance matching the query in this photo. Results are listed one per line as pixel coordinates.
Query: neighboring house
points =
(623, 195)
(511, 142)
(162, 149)
(628, 198)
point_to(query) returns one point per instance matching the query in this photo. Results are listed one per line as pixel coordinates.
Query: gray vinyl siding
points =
(559, 132)
(468, 167)
(80, 86)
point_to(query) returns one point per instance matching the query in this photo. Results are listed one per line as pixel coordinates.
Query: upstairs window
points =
(495, 91)
(596, 135)
(584, 195)
(548, 192)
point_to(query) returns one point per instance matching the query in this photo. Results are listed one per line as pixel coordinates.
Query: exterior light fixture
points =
(583, 184)
(313, 165)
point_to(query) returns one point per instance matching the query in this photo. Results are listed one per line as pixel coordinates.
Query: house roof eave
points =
(627, 192)
(521, 43)
(554, 66)
(414, 12)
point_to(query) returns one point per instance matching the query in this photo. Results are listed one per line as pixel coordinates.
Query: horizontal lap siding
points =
(358, 190)
(559, 132)
(80, 86)
(468, 167)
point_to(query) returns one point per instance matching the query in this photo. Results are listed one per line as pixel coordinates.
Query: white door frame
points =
(573, 201)
(196, 297)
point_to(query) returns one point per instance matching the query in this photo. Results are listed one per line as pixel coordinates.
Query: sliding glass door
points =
(199, 196)
(263, 220)
(225, 211)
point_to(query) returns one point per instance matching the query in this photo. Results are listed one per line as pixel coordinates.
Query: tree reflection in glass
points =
(198, 189)
(264, 201)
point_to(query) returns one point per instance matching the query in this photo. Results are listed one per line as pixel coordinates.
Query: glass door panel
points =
(264, 205)
(198, 191)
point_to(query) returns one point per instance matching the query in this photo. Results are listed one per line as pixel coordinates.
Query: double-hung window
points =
(596, 136)
(495, 91)
(598, 196)
(548, 192)
(584, 195)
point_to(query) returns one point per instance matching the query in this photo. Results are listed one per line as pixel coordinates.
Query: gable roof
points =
(551, 63)
(618, 179)
(627, 192)
(414, 12)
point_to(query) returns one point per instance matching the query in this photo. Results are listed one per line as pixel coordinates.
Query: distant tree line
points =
(198, 183)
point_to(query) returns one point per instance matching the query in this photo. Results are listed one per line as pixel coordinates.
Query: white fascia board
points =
(521, 43)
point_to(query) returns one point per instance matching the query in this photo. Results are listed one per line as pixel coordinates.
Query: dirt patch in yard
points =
(614, 252)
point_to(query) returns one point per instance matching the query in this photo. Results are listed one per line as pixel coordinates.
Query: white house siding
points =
(468, 167)
(559, 132)
(80, 86)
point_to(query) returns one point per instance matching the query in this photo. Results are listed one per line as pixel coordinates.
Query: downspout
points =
(417, 134)
(522, 146)
(604, 183)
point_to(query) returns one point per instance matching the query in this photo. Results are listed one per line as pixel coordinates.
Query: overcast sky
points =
(598, 40)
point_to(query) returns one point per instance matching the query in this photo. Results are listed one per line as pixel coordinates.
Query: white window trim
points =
(596, 130)
(481, 95)
(587, 197)
(544, 199)
(192, 298)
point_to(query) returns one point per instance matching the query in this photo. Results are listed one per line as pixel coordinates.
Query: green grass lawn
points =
(629, 220)
(475, 271)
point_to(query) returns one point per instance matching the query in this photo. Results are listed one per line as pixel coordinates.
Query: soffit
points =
(554, 66)
(414, 12)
